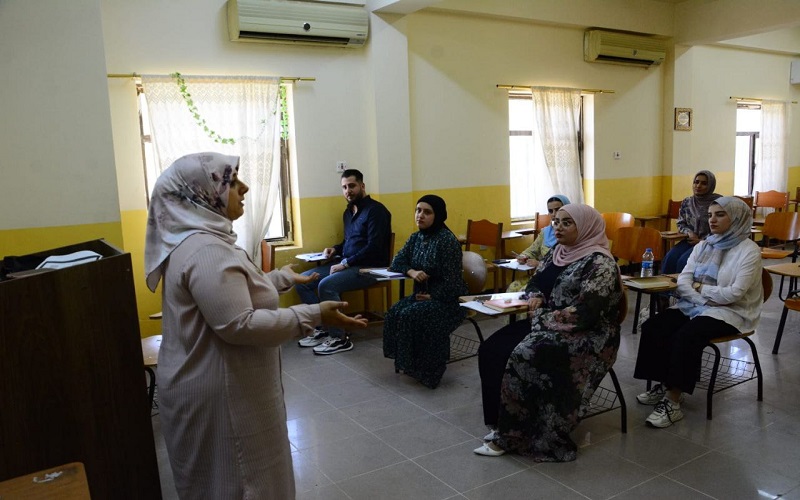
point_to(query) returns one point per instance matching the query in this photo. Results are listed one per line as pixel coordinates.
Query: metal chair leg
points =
(710, 395)
(780, 330)
(623, 408)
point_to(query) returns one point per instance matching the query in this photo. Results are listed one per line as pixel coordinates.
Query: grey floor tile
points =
(776, 450)
(661, 488)
(322, 428)
(401, 481)
(596, 473)
(307, 475)
(349, 392)
(323, 373)
(468, 418)
(302, 402)
(421, 436)
(463, 470)
(724, 476)
(528, 484)
(651, 448)
(331, 492)
(353, 456)
(451, 393)
(383, 412)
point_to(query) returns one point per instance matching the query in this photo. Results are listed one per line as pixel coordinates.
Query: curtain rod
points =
(283, 78)
(528, 87)
(752, 99)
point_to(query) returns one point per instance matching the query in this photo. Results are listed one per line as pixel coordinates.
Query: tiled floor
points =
(360, 431)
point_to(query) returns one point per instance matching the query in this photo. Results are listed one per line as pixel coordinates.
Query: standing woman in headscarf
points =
(538, 377)
(541, 245)
(416, 333)
(719, 294)
(219, 369)
(692, 221)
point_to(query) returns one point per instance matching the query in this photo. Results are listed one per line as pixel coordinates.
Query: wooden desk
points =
(670, 238)
(789, 270)
(652, 287)
(644, 219)
(65, 482)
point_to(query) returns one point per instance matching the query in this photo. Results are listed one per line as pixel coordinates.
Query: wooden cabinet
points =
(72, 386)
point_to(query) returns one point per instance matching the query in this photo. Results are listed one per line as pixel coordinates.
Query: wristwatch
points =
(344, 263)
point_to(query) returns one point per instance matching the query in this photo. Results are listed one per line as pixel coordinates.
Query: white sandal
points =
(487, 451)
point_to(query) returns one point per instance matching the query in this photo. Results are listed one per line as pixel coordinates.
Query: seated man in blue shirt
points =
(367, 229)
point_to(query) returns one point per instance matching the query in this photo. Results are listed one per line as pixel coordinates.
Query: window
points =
(760, 162)
(545, 153)
(243, 116)
(748, 147)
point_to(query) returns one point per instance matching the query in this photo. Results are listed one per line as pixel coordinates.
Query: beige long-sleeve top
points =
(219, 372)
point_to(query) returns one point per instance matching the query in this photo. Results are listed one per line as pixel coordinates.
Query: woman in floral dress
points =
(417, 330)
(538, 378)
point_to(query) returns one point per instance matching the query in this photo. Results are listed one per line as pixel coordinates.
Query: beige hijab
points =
(189, 197)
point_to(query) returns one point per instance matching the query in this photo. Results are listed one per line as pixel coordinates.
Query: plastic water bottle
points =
(647, 263)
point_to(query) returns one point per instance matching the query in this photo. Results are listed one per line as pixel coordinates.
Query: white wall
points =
(333, 116)
(55, 135)
(460, 118)
(705, 79)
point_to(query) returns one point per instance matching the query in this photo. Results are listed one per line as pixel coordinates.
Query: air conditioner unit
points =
(295, 22)
(622, 48)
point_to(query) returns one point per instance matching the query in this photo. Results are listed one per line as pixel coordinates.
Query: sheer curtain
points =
(556, 114)
(245, 109)
(772, 172)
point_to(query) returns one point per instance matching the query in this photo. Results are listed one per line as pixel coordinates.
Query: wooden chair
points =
(541, 221)
(616, 220)
(796, 200)
(267, 256)
(489, 234)
(673, 211)
(782, 227)
(385, 286)
(604, 399)
(717, 369)
(630, 244)
(474, 275)
(771, 199)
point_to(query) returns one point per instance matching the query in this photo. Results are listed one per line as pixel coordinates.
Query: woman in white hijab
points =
(719, 294)
(220, 390)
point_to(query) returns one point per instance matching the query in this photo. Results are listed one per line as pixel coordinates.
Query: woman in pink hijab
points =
(537, 377)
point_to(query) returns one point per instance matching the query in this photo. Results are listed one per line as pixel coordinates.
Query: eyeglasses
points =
(565, 223)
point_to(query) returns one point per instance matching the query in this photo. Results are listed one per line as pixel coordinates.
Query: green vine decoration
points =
(284, 114)
(201, 122)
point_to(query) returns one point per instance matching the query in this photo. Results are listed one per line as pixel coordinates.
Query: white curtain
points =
(772, 173)
(245, 109)
(556, 114)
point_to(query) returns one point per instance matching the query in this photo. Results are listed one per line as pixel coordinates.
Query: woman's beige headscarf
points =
(189, 197)
(591, 235)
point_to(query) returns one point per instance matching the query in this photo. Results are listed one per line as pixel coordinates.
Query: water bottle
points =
(647, 263)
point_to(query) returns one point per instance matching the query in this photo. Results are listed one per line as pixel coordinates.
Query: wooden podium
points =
(72, 385)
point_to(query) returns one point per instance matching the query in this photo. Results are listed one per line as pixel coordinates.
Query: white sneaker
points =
(319, 336)
(333, 345)
(654, 395)
(665, 414)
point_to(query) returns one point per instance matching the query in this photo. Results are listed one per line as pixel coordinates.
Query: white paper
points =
(477, 306)
(69, 260)
(310, 257)
(385, 273)
(515, 265)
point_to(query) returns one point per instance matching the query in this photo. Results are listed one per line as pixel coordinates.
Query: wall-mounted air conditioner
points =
(622, 48)
(294, 22)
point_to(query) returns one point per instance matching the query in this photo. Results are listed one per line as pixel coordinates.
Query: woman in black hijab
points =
(416, 333)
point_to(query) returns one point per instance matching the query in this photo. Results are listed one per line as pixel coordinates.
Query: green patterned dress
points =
(416, 334)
